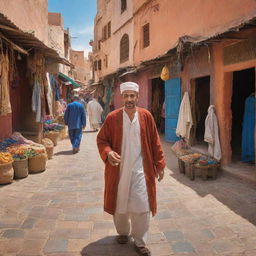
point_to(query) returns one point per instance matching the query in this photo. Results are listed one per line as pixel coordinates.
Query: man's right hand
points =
(113, 158)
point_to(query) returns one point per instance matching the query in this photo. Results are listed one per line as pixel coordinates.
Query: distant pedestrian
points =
(75, 119)
(130, 147)
(94, 110)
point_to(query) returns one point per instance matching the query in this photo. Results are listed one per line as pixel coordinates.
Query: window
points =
(95, 65)
(146, 40)
(104, 33)
(99, 44)
(124, 48)
(109, 29)
(99, 64)
(123, 5)
(106, 61)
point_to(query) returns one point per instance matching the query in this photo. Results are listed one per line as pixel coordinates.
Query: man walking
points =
(94, 110)
(75, 120)
(129, 144)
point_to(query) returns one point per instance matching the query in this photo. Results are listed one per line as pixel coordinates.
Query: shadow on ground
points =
(237, 195)
(64, 152)
(89, 131)
(108, 246)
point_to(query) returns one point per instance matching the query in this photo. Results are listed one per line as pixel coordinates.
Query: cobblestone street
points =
(59, 212)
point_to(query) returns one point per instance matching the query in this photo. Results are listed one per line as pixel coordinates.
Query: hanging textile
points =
(211, 134)
(49, 95)
(185, 118)
(5, 104)
(36, 100)
(248, 133)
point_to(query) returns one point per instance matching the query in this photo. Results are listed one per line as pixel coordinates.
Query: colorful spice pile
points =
(50, 125)
(20, 148)
(5, 158)
(192, 158)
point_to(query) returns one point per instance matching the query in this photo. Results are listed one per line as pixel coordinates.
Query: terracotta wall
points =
(171, 19)
(29, 15)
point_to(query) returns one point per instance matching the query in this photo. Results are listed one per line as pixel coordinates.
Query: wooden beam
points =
(15, 46)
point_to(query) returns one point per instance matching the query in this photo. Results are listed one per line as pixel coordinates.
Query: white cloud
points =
(87, 30)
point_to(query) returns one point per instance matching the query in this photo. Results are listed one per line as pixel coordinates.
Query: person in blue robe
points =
(75, 119)
(248, 133)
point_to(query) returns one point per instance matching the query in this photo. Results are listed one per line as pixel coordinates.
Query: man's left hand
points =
(160, 174)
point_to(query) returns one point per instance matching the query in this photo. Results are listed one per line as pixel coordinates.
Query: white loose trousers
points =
(138, 228)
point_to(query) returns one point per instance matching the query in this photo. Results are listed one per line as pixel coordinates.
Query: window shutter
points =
(146, 40)
(124, 48)
(123, 5)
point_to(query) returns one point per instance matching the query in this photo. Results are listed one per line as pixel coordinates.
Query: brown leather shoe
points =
(122, 239)
(143, 251)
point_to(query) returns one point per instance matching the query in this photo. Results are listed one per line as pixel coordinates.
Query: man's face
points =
(130, 99)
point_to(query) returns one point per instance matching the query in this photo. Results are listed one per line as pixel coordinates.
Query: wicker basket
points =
(49, 151)
(20, 168)
(53, 136)
(6, 173)
(37, 163)
(63, 133)
(49, 146)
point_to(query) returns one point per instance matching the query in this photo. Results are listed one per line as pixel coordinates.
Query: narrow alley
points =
(59, 211)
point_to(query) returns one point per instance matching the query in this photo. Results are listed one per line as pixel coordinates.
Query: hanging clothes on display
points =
(248, 133)
(5, 104)
(36, 100)
(49, 95)
(185, 121)
(211, 134)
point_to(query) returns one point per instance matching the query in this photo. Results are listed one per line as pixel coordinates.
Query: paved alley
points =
(59, 212)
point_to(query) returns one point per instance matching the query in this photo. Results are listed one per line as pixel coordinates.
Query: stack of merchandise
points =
(24, 150)
(6, 170)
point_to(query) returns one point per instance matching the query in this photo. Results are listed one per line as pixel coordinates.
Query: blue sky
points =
(79, 18)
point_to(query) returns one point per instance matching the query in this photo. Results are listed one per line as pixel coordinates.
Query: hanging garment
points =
(211, 134)
(5, 104)
(36, 100)
(185, 121)
(49, 95)
(248, 133)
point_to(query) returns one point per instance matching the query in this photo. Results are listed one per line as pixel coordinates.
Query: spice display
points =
(5, 158)
(191, 157)
(51, 125)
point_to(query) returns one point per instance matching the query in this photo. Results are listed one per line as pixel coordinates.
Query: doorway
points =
(157, 103)
(200, 107)
(243, 87)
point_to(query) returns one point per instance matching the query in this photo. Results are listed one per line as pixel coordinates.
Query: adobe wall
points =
(29, 15)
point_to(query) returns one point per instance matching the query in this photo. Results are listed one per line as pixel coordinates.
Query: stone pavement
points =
(59, 212)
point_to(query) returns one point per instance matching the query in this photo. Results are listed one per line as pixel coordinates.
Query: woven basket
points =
(49, 151)
(63, 133)
(53, 136)
(37, 163)
(6, 173)
(20, 168)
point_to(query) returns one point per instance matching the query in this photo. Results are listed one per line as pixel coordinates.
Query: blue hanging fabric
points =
(248, 140)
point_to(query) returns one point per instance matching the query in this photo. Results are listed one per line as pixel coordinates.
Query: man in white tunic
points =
(94, 110)
(132, 213)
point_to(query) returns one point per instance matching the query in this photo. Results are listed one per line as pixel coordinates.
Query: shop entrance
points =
(243, 87)
(200, 105)
(157, 101)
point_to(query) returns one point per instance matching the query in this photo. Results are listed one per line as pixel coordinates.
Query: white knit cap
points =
(129, 86)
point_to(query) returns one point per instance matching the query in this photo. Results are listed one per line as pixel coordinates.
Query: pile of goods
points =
(24, 154)
(52, 129)
(6, 170)
(191, 158)
(51, 125)
(5, 158)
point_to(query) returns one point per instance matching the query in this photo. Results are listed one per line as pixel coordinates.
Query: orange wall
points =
(171, 19)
